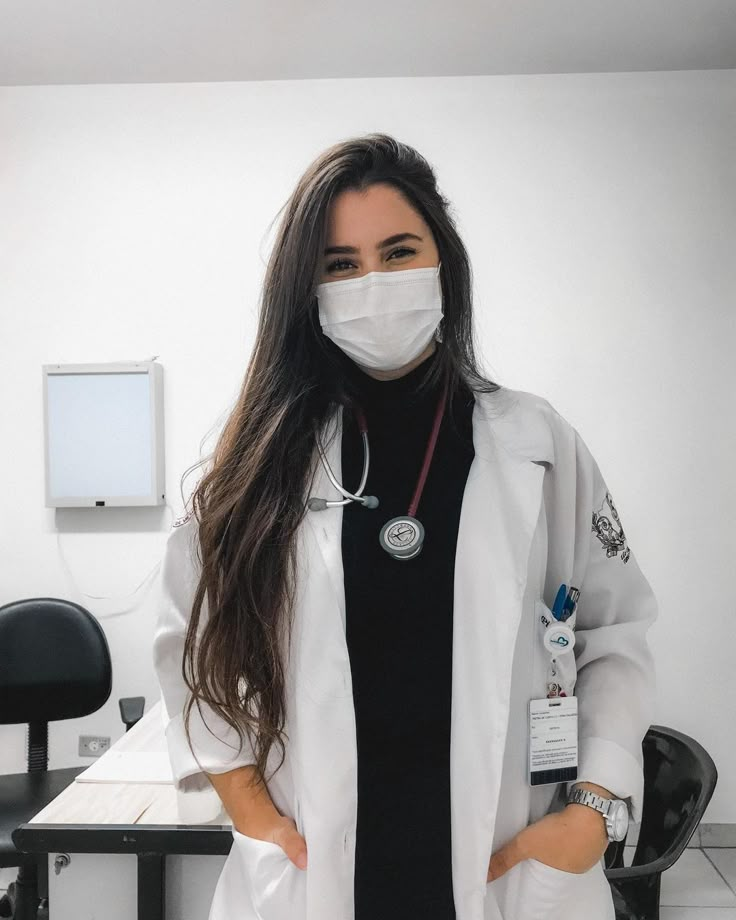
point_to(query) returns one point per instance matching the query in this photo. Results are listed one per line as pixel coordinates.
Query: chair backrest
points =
(679, 779)
(54, 661)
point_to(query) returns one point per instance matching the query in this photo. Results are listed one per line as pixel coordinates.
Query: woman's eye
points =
(334, 266)
(411, 251)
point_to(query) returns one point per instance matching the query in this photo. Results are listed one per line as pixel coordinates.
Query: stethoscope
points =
(402, 537)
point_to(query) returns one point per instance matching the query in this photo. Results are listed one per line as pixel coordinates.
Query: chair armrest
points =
(131, 709)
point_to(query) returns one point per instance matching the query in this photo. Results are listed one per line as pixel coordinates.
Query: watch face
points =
(620, 820)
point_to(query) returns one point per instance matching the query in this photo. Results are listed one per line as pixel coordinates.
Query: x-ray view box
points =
(104, 434)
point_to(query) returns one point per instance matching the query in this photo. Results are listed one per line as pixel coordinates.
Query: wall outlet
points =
(92, 745)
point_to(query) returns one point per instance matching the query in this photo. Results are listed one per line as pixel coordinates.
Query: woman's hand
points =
(251, 809)
(282, 831)
(573, 839)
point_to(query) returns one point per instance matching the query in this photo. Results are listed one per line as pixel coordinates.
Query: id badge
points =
(553, 740)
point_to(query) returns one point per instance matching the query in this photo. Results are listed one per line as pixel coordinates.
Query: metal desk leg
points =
(151, 882)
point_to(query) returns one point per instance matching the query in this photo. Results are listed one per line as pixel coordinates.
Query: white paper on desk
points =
(129, 767)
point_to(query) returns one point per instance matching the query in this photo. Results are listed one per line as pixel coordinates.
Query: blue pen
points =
(570, 604)
(559, 601)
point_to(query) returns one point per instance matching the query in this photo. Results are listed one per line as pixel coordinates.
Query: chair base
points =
(22, 900)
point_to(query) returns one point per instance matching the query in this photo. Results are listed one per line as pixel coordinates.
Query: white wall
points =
(599, 211)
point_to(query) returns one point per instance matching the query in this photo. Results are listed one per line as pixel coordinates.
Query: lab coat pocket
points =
(545, 892)
(277, 886)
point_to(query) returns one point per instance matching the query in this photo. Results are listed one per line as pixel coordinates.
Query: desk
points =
(138, 819)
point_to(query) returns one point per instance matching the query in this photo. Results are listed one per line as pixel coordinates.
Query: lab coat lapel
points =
(499, 514)
(327, 525)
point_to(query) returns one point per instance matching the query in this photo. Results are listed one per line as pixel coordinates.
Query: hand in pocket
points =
(283, 833)
(571, 840)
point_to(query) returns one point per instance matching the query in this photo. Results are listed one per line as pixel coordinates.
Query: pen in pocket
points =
(559, 603)
(571, 602)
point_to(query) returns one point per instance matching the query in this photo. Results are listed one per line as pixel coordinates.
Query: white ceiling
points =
(154, 41)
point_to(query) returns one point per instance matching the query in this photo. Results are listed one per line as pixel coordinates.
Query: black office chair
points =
(54, 664)
(679, 779)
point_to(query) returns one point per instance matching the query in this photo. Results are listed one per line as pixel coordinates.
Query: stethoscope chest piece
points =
(402, 537)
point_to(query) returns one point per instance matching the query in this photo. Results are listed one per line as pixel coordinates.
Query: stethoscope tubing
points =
(371, 501)
(349, 496)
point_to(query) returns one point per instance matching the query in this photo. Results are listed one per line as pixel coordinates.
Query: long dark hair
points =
(251, 500)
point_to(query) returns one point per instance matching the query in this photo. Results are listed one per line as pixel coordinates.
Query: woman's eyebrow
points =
(389, 241)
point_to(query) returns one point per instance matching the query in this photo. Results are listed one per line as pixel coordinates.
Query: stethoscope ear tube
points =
(368, 501)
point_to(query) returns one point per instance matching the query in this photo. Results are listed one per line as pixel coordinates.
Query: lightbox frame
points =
(157, 495)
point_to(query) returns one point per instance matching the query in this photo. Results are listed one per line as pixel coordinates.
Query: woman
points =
(363, 670)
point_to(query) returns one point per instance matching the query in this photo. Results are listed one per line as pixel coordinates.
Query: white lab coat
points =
(526, 526)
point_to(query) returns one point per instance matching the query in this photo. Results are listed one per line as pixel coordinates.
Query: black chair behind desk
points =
(679, 779)
(54, 664)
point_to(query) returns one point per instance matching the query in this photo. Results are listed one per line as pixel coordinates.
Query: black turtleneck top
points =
(399, 635)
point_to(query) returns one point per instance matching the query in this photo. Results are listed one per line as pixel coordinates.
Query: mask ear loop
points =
(437, 333)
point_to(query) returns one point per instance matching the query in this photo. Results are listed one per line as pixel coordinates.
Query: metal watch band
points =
(588, 797)
(598, 802)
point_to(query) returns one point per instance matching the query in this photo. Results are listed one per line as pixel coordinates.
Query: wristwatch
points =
(615, 811)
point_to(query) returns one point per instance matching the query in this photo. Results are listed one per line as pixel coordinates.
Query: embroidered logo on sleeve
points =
(611, 535)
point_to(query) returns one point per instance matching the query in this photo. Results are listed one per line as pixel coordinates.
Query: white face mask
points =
(382, 320)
